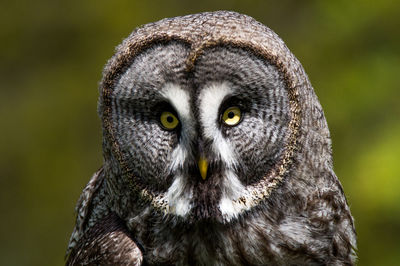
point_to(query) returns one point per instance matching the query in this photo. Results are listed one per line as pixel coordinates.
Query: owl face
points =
(199, 141)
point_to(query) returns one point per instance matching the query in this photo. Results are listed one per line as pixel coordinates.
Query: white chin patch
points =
(178, 197)
(232, 190)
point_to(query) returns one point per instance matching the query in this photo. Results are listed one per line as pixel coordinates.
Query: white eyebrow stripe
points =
(179, 99)
(211, 98)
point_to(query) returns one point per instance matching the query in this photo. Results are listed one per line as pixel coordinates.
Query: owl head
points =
(206, 116)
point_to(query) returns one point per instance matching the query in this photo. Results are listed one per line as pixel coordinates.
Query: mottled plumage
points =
(216, 151)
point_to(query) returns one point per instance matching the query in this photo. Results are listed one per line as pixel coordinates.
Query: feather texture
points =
(270, 195)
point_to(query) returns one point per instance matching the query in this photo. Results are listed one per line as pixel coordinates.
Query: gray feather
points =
(270, 197)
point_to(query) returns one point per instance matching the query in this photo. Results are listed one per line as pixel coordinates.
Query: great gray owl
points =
(216, 152)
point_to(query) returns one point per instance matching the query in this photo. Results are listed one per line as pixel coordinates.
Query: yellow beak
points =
(203, 166)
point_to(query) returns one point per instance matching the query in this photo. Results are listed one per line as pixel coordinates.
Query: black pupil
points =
(231, 114)
(170, 119)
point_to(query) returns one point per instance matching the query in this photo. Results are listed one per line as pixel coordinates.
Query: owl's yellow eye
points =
(231, 116)
(168, 120)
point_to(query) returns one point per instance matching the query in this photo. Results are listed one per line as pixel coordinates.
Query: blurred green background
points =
(51, 58)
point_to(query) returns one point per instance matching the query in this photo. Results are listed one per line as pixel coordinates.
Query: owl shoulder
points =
(100, 237)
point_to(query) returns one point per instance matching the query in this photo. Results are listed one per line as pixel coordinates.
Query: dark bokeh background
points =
(51, 57)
